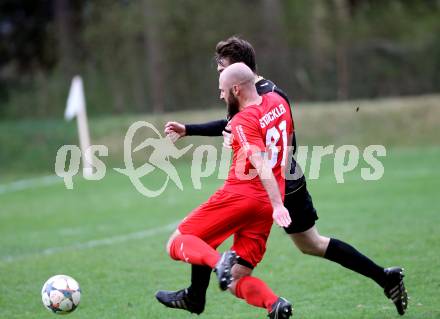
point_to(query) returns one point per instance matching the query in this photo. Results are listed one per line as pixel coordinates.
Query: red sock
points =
(255, 292)
(193, 250)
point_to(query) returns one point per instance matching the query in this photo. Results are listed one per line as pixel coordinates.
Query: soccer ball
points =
(61, 294)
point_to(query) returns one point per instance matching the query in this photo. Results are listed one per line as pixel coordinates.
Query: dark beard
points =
(232, 105)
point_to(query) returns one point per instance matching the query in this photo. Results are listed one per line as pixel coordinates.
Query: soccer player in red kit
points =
(303, 230)
(250, 199)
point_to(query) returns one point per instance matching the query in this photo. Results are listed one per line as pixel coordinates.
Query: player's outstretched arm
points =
(176, 130)
(280, 213)
(213, 128)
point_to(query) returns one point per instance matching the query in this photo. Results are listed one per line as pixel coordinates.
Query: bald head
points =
(237, 88)
(236, 74)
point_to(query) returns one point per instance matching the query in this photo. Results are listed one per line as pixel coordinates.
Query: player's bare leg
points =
(310, 242)
(238, 272)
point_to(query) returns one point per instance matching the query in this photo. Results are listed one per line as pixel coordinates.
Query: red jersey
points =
(259, 128)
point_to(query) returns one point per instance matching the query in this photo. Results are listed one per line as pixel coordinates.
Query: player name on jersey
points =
(272, 115)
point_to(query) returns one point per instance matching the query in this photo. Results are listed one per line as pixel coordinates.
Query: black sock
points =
(200, 276)
(348, 257)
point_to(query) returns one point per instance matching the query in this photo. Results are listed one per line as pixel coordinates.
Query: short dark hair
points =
(236, 50)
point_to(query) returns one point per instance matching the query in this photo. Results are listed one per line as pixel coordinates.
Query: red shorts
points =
(226, 214)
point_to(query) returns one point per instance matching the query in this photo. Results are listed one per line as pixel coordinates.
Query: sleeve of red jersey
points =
(246, 129)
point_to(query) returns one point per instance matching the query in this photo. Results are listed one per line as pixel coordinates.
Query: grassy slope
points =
(395, 220)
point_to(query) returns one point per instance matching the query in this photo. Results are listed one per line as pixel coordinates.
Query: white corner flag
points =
(76, 107)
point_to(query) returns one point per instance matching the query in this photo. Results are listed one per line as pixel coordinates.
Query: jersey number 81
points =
(272, 137)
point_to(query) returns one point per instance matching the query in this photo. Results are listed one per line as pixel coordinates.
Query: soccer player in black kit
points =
(297, 200)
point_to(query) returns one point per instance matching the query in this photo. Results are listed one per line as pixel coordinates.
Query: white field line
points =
(108, 241)
(29, 183)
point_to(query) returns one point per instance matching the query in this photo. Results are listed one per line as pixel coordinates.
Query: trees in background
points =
(156, 55)
(154, 48)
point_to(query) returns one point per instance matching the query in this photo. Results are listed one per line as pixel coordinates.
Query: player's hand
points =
(281, 216)
(175, 130)
(227, 140)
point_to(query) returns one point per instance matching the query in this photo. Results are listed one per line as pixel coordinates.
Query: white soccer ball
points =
(61, 294)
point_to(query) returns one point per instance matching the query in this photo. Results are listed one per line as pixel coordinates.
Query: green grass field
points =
(111, 239)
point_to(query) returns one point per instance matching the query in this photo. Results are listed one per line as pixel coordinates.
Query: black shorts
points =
(300, 206)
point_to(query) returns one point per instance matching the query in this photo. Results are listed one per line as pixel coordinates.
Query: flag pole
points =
(76, 107)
